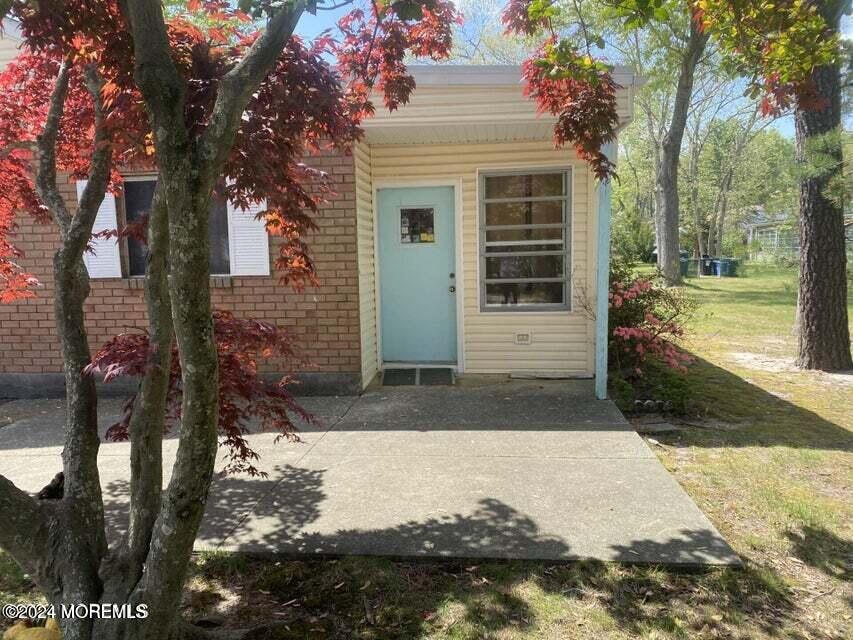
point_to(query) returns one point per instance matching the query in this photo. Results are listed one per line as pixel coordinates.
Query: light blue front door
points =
(417, 283)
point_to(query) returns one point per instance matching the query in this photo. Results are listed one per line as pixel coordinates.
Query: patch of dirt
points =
(713, 423)
(762, 361)
(651, 424)
(775, 364)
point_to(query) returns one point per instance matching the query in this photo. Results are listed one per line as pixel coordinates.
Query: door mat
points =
(412, 377)
(436, 376)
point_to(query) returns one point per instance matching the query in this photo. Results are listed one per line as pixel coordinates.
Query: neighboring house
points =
(458, 236)
(771, 236)
(774, 236)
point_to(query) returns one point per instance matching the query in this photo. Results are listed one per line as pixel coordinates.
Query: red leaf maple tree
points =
(305, 104)
(217, 99)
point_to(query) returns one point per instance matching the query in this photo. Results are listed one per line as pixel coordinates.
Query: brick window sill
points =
(216, 282)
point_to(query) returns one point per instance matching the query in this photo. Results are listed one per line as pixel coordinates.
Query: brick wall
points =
(324, 320)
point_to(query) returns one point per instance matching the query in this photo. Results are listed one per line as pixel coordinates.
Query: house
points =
(458, 236)
(771, 236)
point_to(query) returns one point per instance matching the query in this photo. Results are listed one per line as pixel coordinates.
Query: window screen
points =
(525, 232)
(138, 196)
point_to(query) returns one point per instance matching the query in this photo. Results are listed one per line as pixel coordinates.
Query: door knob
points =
(452, 289)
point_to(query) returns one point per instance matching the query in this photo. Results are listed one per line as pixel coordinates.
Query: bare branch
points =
(99, 170)
(46, 185)
(147, 422)
(238, 85)
(155, 71)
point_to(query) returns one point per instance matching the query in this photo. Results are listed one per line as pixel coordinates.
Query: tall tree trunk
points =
(62, 544)
(189, 169)
(721, 220)
(77, 537)
(715, 233)
(823, 331)
(667, 175)
(122, 571)
(711, 245)
(695, 152)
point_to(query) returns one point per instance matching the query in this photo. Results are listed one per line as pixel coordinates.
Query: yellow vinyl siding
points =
(470, 113)
(366, 267)
(562, 340)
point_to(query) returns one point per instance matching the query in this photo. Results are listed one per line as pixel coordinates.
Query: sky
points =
(310, 26)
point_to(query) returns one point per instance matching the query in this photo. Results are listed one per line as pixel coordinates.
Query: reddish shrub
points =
(245, 396)
(646, 322)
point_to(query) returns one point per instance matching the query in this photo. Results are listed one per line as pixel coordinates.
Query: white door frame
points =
(404, 183)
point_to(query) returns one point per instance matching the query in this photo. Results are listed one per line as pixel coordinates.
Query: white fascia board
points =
(491, 74)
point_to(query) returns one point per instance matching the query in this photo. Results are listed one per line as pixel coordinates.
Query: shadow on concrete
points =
(493, 530)
(280, 515)
(327, 596)
(283, 508)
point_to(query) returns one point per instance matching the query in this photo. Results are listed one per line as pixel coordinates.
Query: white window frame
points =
(236, 218)
(567, 226)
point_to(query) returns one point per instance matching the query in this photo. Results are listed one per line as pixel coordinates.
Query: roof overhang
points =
(473, 103)
(488, 74)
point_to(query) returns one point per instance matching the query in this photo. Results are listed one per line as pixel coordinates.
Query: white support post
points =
(602, 282)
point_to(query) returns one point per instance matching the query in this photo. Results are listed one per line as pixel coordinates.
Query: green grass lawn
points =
(765, 452)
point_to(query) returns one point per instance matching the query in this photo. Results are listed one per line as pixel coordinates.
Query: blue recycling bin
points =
(733, 267)
(715, 267)
(726, 267)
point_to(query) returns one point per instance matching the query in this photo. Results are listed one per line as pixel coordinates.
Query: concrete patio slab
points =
(514, 470)
(462, 442)
(547, 509)
(515, 405)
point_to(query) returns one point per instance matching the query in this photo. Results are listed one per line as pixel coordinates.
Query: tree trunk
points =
(76, 542)
(712, 234)
(189, 169)
(122, 572)
(62, 544)
(695, 152)
(667, 175)
(721, 223)
(823, 331)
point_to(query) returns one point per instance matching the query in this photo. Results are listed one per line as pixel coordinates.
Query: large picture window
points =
(525, 240)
